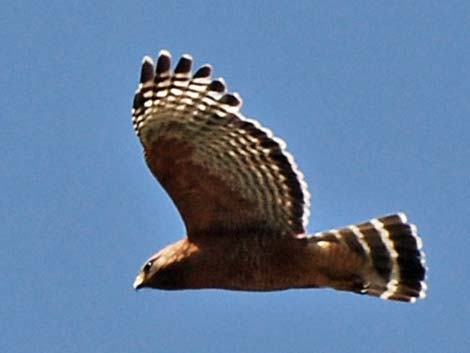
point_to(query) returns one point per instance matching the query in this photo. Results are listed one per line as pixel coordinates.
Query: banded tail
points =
(385, 254)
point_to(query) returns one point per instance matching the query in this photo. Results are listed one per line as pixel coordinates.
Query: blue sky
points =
(372, 98)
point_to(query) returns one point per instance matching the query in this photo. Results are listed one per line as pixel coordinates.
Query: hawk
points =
(245, 204)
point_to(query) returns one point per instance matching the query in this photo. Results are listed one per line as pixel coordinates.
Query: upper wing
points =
(225, 173)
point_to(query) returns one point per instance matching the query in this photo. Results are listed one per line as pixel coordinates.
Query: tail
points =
(384, 256)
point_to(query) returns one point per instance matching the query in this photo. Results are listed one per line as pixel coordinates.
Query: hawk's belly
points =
(257, 264)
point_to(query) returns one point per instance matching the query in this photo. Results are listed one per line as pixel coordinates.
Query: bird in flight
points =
(245, 204)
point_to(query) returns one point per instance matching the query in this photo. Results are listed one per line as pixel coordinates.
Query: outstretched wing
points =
(225, 173)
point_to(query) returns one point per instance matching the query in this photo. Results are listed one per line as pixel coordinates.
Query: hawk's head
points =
(167, 269)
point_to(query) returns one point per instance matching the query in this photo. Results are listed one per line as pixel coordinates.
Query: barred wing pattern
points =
(223, 171)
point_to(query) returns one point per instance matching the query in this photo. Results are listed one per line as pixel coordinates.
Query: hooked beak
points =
(139, 281)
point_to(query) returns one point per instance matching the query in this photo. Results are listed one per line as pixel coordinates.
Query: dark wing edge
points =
(166, 103)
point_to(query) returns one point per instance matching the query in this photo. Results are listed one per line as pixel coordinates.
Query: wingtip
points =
(163, 62)
(147, 70)
(147, 59)
(164, 52)
(184, 64)
(231, 99)
(187, 56)
(204, 71)
(402, 216)
(218, 85)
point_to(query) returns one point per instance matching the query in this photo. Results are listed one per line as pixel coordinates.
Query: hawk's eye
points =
(147, 266)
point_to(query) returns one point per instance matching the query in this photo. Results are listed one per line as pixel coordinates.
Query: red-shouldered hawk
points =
(245, 204)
